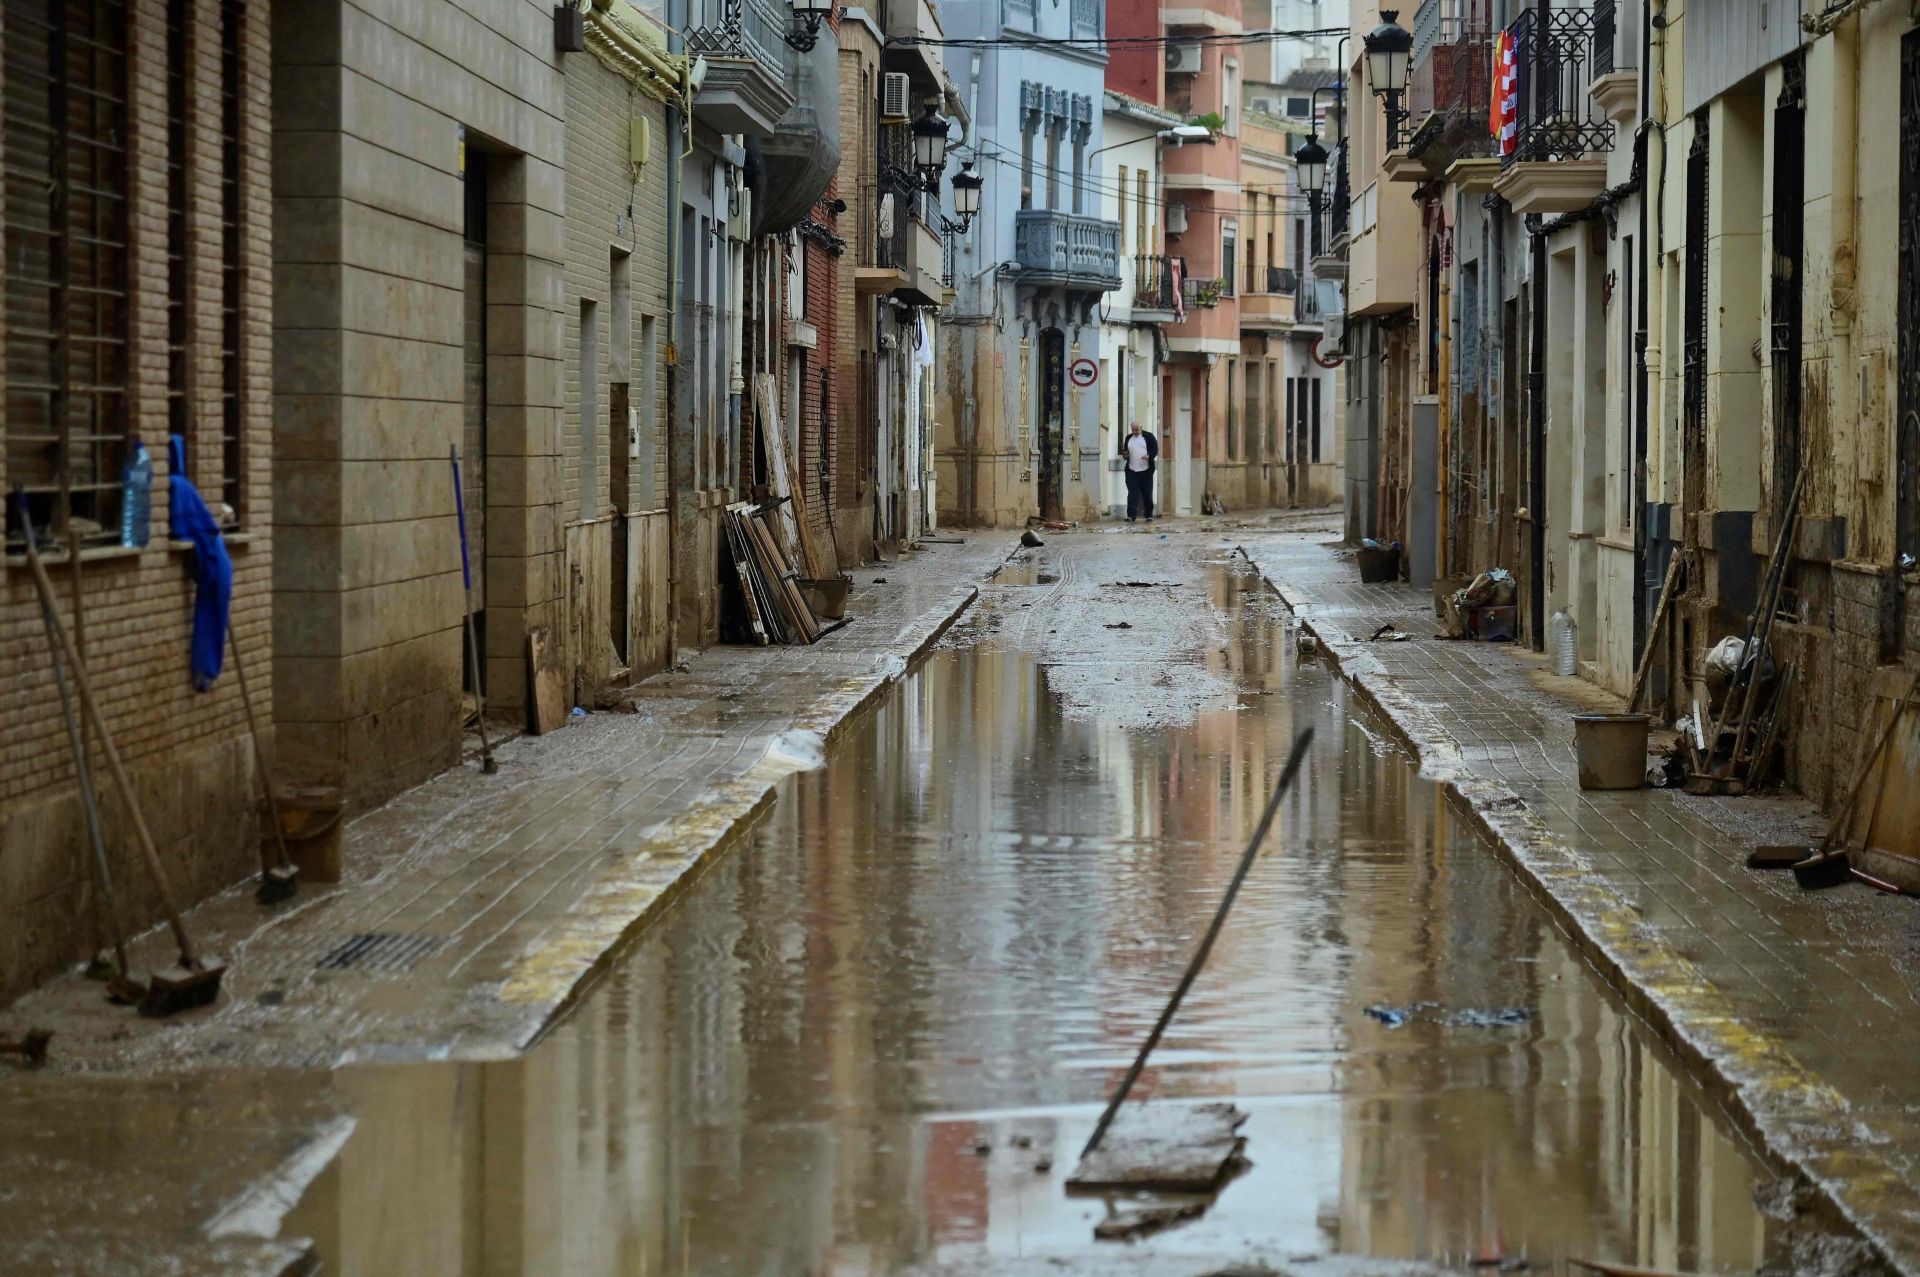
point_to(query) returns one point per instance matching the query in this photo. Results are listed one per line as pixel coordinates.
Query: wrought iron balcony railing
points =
(1452, 62)
(1153, 281)
(736, 28)
(1555, 57)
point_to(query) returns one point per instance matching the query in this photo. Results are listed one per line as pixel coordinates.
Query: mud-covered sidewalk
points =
(1800, 1006)
(472, 911)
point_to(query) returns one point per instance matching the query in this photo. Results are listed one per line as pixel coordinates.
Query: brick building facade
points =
(137, 306)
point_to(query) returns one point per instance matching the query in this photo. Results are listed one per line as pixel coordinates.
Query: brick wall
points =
(188, 751)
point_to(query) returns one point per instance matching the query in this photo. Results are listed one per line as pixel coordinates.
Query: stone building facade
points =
(138, 302)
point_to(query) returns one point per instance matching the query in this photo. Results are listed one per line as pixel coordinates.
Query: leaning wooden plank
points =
(745, 574)
(546, 684)
(772, 614)
(791, 515)
(793, 603)
(766, 559)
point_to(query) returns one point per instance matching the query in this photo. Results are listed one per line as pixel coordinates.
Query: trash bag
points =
(1727, 668)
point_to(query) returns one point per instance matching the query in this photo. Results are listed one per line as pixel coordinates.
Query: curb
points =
(1792, 1117)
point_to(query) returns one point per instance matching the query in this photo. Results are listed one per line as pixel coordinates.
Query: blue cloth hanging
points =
(188, 519)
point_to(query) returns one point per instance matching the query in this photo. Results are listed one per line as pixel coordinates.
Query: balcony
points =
(1269, 298)
(1557, 163)
(916, 28)
(1450, 88)
(750, 68)
(1156, 288)
(1203, 294)
(1068, 249)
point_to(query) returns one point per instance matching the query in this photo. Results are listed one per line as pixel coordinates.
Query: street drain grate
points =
(378, 951)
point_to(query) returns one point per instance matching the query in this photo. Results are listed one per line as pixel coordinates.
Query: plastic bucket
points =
(826, 596)
(1611, 750)
(1377, 566)
(310, 824)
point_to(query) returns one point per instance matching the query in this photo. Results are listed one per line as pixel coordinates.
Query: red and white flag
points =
(1504, 118)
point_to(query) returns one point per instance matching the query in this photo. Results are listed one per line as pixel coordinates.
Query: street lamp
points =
(807, 17)
(930, 146)
(1310, 170)
(966, 199)
(1389, 51)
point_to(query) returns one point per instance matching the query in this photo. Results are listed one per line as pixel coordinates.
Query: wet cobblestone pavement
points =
(868, 1038)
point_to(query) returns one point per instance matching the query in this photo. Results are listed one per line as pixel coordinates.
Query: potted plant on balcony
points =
(1207, 291)
(1212, 122)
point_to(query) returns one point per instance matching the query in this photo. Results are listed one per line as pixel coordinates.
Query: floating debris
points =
(1469, 1018)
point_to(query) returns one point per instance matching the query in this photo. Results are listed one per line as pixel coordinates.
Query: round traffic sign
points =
(1084, 372)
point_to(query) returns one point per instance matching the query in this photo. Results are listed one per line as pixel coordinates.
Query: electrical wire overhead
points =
(1112, 41)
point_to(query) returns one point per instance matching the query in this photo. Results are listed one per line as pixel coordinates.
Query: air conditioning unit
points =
(895, 98)
(1176, 219)
(1183, 58)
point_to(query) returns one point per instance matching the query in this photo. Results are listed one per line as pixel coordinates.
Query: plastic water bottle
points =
(136, 498)
(1562, 634)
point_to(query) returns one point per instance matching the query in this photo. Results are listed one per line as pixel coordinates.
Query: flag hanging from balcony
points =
(1505, 115)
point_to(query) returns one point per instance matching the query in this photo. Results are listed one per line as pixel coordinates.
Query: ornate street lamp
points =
(1310, 170)
(807, 17)
(1389, 54)
(930, 147)
(966, 198)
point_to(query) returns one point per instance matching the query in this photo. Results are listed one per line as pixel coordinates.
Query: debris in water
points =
(1496, 1018)
(1120, 625)
(1043, 1166)
(1139, 1221)
(1023, 1141)
(982, 1149)
(1176, 1148)
(1031, 541)
(879, 580)
(1388, 634)
(1144, 585)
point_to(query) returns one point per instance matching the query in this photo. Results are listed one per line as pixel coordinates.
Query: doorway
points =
(1053, 423)
(473, 433)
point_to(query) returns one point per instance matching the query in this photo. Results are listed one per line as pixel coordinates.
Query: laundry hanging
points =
(188, 519)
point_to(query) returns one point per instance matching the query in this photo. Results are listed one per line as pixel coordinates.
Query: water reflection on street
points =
(957, 934)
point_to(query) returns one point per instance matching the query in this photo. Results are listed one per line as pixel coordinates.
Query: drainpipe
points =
(1445, 450)
(1643, 557)
(736, 326)
(1537, 438)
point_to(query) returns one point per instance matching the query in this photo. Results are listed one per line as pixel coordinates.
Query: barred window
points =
(232, 370)
(66, 178)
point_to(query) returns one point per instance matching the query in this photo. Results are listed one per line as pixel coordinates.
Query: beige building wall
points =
(187, 751)
(614, 500)
(373, 373)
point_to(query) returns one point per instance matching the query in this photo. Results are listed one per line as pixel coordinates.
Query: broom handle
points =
(1294, 759)
(466, 579)
(259, 750)
(188, 958)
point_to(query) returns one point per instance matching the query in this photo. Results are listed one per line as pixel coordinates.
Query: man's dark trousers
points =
(1139, 493)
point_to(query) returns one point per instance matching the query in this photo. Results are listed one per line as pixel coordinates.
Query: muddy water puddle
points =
(875, 1036)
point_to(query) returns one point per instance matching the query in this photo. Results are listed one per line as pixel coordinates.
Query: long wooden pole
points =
(1653, 633)
(1294, 760)
(151, 853)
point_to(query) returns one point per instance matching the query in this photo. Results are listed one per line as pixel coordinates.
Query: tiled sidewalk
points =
(490, 900)
(1800, 1006)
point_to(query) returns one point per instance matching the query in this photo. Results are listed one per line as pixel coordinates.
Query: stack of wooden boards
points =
(777, 611)
(772, 544)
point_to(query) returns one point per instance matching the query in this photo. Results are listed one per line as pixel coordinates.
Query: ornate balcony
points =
(1067, 248)
(1557, 59)
(750, 68)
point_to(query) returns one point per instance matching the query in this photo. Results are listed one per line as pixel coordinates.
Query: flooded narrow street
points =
(873, 1037)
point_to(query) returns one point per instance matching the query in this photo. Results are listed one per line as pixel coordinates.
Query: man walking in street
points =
(1142, 452)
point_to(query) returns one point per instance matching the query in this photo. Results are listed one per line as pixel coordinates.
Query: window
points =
(1233, 422)
(1230, 97)
(1229, 245)
(1079, 170)
(1056, 133)
(232, 374)
(1027, 126)
(1142, 243)
(1251, 419)
(1125, 247)
(179, 267)
(66, 172)
(1298, 107)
